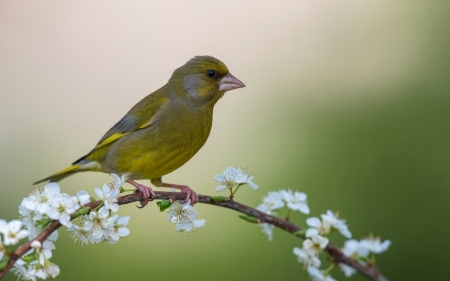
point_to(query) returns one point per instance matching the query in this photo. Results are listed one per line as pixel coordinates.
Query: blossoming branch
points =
(47, 209)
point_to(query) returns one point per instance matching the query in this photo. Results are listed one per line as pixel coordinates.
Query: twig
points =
(369, 271)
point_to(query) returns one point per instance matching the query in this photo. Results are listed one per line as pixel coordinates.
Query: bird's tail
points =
(61, 174)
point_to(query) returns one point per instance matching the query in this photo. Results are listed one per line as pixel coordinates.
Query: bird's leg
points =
(146, 191)
(190, 193)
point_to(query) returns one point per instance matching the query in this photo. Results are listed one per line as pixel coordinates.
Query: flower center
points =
(61, 208)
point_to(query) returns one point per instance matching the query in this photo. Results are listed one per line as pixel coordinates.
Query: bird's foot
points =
(146, 191)
(190, 193)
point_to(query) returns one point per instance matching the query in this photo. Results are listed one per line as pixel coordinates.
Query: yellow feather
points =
(111, 139)
(61, 174)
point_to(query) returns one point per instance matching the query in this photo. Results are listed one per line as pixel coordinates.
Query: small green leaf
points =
(249, 218)
(92, 199)
(163, 205)
(80, 212)
(28, 258)
(300, 233)
(3, 263)
(219, 199)
(362, 258)
(44, 222)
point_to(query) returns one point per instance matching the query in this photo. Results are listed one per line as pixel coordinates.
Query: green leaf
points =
(28, 258)
(300, 233)
(3, 264)
(80, 212)
(219, 199)
(44, 222)
(163, 205)
(362, 258)
(249, 218)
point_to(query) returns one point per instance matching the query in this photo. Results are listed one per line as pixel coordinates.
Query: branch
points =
(369, 271)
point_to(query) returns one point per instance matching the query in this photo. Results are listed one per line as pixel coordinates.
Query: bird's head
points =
(204, 78)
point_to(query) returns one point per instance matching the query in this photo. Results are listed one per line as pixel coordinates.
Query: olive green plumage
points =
(165, 129)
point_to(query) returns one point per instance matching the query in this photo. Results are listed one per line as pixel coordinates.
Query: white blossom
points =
(49, 269)
(45, 268)
(295, 201)
(318, 275)
(348, 270)
(79, 235)
(39, 199)
(98, 226)
(336, 223)
(118, 181)
(273, 201)
(306, 257)
(83, 197)
(232, 177)
(353, 248)
(109, 196)
(315, 243)
(40, 268)
(97, 223)
(22, 272)
(246, 178)
(374, 245)
(61, 207)
(12, 231)
(29, 217)
(118, 230)
(48, 243)
(267, 229)
(317, 227)
(183, 215)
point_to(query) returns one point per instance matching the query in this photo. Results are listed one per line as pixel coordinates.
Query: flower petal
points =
(219, 178)
(64, 219)
(99, 193)
(221, 188)
(52, 189)
(199, 223)
(311, 232)
(123, 220)
(3, 226)
(15, 226)
(123, 231)
(303, 207)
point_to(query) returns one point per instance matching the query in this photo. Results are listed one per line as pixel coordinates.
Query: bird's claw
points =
(147, 192)
(190, 194)
(148, 195)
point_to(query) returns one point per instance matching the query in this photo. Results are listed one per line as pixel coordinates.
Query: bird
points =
(161, 132)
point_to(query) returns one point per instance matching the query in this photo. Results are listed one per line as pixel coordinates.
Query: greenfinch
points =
(162, 131)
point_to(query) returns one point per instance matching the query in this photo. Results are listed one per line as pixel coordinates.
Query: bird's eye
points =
(211, 73)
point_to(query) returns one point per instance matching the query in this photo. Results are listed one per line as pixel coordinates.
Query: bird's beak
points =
(229, 82)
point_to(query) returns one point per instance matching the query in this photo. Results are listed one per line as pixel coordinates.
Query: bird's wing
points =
(139, 117)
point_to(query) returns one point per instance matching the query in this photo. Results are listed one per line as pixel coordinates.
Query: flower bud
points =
(36, 245)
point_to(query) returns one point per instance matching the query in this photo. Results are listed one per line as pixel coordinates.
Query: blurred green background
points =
(347, 101)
